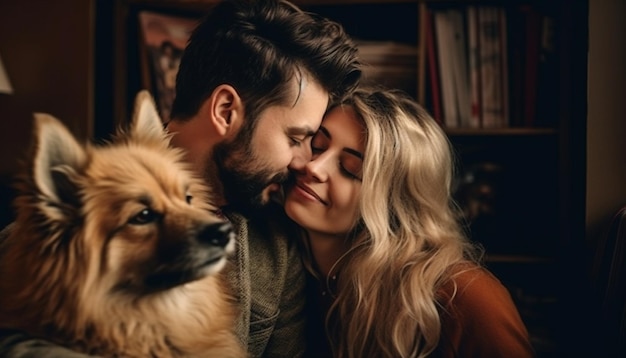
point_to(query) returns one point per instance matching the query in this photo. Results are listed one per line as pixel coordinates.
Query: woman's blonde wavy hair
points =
(407, 238)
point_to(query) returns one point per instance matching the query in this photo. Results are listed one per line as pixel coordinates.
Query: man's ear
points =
(226, 110)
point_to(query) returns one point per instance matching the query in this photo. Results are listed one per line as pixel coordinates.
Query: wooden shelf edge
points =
(517, 259)
(457, 132)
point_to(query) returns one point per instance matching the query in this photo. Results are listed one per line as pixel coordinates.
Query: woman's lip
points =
(311, 192)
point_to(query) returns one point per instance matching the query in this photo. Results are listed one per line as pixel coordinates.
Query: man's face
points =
(251, 168)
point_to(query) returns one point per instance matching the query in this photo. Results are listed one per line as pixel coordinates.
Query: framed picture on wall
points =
(163, 39)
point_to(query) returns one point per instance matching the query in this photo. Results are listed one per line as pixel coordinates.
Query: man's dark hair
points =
(258, 47)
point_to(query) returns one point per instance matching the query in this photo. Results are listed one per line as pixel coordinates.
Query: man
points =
(253, 85)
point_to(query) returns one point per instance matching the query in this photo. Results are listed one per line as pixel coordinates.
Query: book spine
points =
(474, 68)
(443, 34)
(460, 72)
(433, 71)
(490, 67)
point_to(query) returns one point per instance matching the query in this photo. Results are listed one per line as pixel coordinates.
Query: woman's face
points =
(325, 196)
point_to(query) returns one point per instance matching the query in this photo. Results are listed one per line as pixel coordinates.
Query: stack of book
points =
(389, 64)
(489, 66)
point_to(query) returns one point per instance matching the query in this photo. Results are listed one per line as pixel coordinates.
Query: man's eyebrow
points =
(306, 131)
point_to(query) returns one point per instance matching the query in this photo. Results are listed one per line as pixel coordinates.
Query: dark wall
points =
(47, 50)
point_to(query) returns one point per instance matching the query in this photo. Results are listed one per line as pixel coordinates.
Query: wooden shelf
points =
(518, 259)
(501, 131)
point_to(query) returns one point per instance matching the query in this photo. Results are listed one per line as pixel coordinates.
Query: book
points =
(164, 38)
(474, 68)
(459, 68)
(445, 53)
(433, 69)
(491, 67)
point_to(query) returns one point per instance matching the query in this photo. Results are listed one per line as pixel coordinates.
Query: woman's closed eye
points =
(351, 166)
(320, 141)
(317, 150)
(349, 174)
(350, 161)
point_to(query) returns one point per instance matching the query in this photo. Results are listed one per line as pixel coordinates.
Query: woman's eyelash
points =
(349, 174)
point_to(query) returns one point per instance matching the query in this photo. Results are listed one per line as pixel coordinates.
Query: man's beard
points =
(242, 179)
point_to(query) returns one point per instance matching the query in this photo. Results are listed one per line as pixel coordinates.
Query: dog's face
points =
(149, 218)
(130, 214)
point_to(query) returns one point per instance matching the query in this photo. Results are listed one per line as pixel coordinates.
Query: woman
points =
(394, 275)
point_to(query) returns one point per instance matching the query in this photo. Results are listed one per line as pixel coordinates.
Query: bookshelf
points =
(525, 174)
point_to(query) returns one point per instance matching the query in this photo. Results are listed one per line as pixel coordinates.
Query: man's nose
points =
(301, 157)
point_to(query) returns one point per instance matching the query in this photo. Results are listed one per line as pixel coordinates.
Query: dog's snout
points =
(216, 234)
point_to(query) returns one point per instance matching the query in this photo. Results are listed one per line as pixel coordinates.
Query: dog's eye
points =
(145, 216)
(188, 197)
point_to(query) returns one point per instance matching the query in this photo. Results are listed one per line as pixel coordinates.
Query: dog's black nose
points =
(216, 234)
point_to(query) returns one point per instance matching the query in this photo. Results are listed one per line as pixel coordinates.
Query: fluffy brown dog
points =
(115, 250)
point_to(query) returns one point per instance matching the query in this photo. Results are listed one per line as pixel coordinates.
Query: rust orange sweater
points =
(481, 320)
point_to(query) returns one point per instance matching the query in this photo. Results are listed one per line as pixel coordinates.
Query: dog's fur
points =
(115, 250)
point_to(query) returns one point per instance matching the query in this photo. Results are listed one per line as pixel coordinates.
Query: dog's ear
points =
(57, 158)
(147, 125)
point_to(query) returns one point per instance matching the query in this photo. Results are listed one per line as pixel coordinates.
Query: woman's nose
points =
(317, 168)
